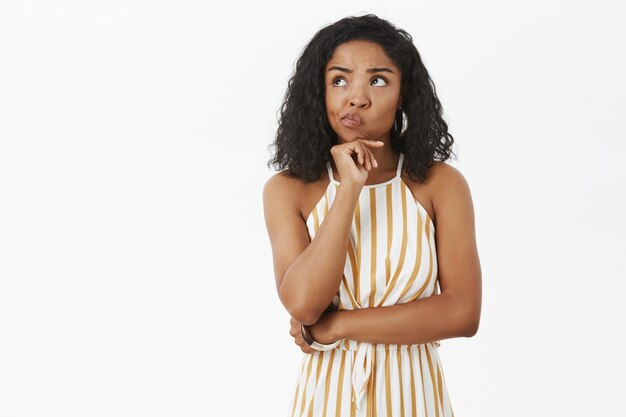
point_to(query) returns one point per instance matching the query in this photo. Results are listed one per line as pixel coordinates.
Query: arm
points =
(307, 275)
(453, 313)
(419, 321)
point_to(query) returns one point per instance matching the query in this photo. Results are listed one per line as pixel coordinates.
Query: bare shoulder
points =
(281, 184)
(441, 178)
(284, 190)
(444, 169)
(295, 192)
(451, 197)
(446, 179)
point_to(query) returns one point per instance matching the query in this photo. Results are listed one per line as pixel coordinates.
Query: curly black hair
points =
(304, 136)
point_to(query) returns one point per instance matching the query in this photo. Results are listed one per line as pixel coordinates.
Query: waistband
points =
(362, 364)
(348, 344)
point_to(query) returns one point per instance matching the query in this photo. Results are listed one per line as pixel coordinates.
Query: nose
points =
(359, 102)
(359, 98)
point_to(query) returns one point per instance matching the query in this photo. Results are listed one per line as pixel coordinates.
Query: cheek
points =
(391, 113)
(388, 107)
(386, 104)
(386, 114)
(332, 100)
(333, 107)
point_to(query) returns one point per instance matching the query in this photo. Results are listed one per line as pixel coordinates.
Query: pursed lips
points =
(351, 120)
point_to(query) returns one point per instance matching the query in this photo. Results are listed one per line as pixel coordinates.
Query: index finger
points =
(372, 142)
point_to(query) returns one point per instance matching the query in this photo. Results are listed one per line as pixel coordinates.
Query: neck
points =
(386, 157)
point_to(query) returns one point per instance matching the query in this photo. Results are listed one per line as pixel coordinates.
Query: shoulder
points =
(280, 181)
(282, 190)
(450, 190)
(445, 174)
(282, 185)
(439, 177)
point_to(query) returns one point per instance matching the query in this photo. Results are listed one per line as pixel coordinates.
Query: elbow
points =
(468, 321)
(471, 322)
(303, 313)
(471, 328)
(300, 309)
(304, 316)
(465, 316)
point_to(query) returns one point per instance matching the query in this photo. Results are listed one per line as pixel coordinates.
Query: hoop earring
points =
(404, 122)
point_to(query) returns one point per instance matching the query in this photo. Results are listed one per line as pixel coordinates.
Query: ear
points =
(399, 103)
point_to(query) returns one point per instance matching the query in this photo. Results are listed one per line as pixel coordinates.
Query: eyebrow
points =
(370, 70)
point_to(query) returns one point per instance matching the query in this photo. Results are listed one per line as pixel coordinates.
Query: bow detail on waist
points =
(361, 371)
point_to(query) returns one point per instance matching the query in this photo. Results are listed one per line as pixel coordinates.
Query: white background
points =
(135, 270)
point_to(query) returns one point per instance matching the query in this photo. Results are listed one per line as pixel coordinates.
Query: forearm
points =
(423, 320)
(313, 279)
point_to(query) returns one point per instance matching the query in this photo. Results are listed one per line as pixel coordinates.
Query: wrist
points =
(324, 334)
(327, 329)
(315, 344)
(334, 330)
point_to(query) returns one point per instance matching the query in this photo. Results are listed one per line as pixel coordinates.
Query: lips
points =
(351, 120)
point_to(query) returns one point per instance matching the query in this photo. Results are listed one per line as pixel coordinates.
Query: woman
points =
(352, 223)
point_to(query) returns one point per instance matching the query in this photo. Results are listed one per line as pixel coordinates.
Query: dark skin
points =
(362, 79)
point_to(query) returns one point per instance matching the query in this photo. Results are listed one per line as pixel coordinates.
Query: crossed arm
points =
(437, 317)
(453, 313)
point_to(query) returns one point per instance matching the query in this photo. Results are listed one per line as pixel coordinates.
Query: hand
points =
(322, 331)
(296, 332)
(351, 171)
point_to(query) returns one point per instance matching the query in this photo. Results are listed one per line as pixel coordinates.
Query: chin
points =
(350, 138)
(355, 134)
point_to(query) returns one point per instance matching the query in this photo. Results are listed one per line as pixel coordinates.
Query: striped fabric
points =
(391, 260)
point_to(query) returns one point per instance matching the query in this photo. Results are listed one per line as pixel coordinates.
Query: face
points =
(362, 88)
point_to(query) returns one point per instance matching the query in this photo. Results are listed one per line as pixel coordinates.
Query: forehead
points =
(359, 53)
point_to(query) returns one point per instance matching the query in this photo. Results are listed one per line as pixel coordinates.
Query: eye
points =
(338, 79)
(379, 79)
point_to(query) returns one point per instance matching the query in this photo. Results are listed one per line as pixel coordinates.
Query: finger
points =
(304, 346)
(369, 143)
(359, 153)
(372, 158)
(368, 157)
(363, 154)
